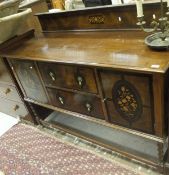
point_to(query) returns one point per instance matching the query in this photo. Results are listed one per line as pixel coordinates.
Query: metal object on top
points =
(160, 39)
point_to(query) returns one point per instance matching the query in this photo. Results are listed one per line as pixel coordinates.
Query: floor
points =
(6, 122)
(10, 121)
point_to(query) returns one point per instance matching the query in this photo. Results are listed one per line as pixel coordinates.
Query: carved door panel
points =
(129, 99)
(29, 79)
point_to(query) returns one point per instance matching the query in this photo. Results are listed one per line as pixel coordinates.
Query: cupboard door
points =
(129, 99)
(29, 79)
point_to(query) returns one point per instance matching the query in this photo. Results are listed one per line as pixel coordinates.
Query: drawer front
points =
(4, 74)
(13, 108)
(66, 76)
(84, 104)
(129, 99)
(9, 92)
(28, 77)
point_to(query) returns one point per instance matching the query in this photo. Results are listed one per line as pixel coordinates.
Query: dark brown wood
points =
(142, 85)
(117, 50)
(27, 74)
(144, 123)
(104, 59)
(73, 77)
(84, 104)
(99, 86)
(14, 41)
(98, 18)
(159, 92)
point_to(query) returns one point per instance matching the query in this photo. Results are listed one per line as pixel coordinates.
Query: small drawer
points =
(5, 76)
(84, 104)
(13, 108)
(66, 76)
(9, 92)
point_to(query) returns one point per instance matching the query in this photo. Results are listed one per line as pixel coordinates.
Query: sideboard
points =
(105, 86)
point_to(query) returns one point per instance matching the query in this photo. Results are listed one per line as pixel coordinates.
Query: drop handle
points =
(88, 107)
(16, 107)
(61, 100)
(52, 75)
(7, 91)
(80, 81)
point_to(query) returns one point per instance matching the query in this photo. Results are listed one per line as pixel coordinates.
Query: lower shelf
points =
(140, 147)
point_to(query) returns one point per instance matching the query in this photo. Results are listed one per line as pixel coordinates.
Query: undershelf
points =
(120, 140)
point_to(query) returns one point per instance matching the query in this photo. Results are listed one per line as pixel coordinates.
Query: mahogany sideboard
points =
(100, 84)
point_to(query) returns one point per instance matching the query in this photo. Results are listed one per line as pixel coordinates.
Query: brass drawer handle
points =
(88, 107)
(8, 90)
(61, 100)
(16, 107)
(80, 81)
(52, 75)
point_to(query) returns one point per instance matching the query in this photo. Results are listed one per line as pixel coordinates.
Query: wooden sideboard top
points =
(121, 50)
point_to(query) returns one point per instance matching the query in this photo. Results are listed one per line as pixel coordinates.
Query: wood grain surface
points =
(120, 50)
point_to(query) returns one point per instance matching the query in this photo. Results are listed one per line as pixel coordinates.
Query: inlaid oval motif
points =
(96, 19)
(127, 100)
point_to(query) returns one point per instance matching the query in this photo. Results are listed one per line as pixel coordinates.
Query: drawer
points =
(28, 76)
(13, 108)
(84, 104)
(66, 76)
(143, 122)
(9, 92)
(4, 74)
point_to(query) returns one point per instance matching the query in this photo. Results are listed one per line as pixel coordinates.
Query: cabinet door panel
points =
(28, 77)
(129, 99)
(143, 123)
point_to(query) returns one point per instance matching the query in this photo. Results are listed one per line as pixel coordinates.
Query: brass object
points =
(8, 90)
(61, 100)
(16, 107)
(158, 40)
(80, 81)
(89, 107)
(52, 75)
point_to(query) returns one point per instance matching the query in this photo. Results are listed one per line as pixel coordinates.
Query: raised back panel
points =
(110, 17)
